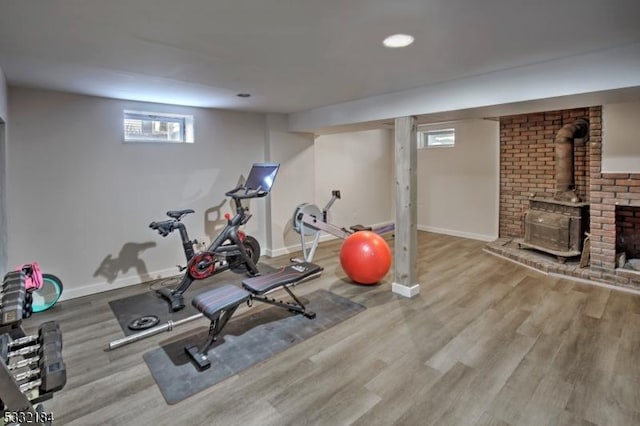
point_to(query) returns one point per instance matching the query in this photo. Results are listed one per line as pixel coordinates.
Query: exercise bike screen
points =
(262, 176)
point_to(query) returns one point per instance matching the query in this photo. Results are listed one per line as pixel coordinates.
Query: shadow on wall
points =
(128, 258)
(214, 219)
(289, 236)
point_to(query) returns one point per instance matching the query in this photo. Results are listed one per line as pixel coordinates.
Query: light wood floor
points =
(486, 342)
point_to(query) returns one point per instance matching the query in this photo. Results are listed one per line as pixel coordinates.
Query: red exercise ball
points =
(365, 257)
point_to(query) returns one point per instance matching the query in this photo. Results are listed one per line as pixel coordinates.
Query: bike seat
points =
(177, 214)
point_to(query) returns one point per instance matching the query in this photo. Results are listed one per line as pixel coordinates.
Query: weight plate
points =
(143, 322)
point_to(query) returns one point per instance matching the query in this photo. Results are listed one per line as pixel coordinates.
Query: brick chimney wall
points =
(608, 190)
(527, 163)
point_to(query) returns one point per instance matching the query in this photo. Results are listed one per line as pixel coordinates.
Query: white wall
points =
(549, 81)
(294, 184)
(620, 138)
(80, 200)
(3, 175)
(360, 165)
(458, 186)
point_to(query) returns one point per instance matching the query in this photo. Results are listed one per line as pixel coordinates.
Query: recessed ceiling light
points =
(398, 40)
(244, 95)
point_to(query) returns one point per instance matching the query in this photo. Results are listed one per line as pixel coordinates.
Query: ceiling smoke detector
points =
(398, 40)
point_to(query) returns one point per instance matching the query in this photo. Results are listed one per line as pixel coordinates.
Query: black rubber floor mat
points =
(246, 341)
(150, 303)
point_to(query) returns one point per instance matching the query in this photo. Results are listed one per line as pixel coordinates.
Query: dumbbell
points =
(13, 281)
(35, 354)
(48, 343)
(43, 355)
(25, 346)
(16, 279)
(12, 290)
(13, 298)
(50, 332)
(33, 349)
(21, 342)
(11, 312)
(53, 375)
(4, 348)
(27, 310)
(48, 340)
(53, 372)
(14, 275)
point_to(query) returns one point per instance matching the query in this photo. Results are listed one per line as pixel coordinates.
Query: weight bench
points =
(221, 303)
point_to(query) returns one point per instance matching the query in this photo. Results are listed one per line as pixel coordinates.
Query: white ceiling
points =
(290, 55)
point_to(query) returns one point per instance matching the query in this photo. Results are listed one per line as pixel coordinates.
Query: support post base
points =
(404, 290)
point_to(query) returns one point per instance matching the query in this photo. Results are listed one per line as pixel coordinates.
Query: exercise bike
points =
(232, 249)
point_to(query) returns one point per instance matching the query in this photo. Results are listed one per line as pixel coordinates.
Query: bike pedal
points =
(181, 268)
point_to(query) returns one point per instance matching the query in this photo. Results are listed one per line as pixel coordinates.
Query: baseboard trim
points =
(323, 238)
(405, 291)
(89, 289)
(296, 247)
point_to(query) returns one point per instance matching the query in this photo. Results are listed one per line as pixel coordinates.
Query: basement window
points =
(141, 126)
(436, 138)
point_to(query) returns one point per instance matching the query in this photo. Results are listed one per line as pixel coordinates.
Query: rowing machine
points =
(309, 220)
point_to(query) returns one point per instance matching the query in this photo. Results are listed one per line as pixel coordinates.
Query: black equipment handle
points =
(164, 228)
(248, 193)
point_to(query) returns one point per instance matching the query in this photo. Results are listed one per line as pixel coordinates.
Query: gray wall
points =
(80, 200)
(360, 165)
(295, 182)
(458, 186)
(621, 143)
(3, 175)
(3, 96)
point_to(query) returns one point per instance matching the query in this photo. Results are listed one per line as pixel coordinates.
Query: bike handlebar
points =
(248, 193)
(165, 227)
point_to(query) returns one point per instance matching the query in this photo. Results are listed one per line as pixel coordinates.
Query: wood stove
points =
(558, 225)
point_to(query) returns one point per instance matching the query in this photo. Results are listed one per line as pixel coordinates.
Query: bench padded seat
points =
(212, 302)
(286, 275)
